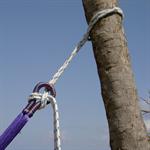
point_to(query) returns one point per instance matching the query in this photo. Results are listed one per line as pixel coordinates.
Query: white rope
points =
(99, 15)
(44, 98)
(57, 136)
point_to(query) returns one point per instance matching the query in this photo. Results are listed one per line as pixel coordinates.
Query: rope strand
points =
(98, 16)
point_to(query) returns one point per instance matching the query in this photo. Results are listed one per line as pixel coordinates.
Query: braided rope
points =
(57, 137)
(44, 98)
(98, 16)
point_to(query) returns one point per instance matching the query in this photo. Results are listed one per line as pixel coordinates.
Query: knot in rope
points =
(43, 99)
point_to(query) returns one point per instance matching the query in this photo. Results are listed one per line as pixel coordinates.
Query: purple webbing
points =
(11, 132)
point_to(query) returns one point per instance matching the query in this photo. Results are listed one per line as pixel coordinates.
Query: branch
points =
(145, 111)
(145, 100)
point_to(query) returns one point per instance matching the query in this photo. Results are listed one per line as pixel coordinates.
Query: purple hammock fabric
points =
(11, 132)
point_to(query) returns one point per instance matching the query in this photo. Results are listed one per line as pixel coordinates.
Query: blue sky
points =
(36, 36)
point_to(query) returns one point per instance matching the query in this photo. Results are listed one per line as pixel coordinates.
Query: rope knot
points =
(39, 100)
(44, 99)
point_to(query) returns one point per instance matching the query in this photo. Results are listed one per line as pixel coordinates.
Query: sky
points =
(36, 36)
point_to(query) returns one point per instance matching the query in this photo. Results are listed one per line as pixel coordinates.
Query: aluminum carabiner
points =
(33, 104)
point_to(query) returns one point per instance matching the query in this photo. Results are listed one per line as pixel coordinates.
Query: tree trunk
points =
(126, 127)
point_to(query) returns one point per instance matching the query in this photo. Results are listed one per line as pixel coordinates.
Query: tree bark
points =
(126, 126)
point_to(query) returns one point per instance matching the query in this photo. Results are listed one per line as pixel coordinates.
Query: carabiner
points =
(33, 106)
(48, 87)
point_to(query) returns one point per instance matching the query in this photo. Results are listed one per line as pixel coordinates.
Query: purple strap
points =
(11, 132)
